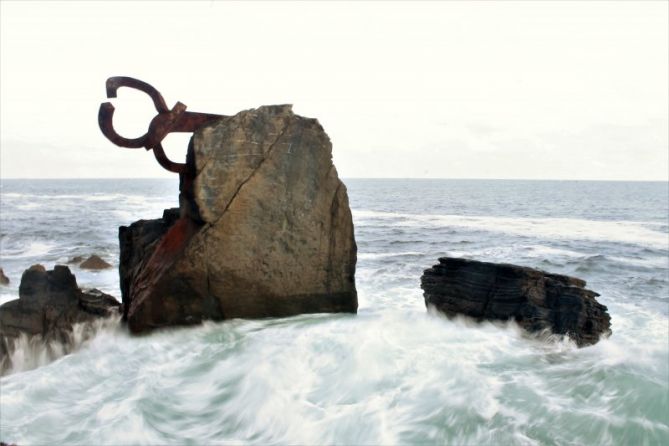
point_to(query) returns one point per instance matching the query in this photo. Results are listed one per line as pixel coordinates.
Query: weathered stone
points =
(94, 262)
(266, 229)
(4, 280)
(137, 243)
(536, 300)
(49, 304)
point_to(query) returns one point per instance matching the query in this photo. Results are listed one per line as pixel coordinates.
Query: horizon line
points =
(666, 180)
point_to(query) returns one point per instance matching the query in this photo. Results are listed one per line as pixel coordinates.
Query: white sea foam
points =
(29, 206)
(554, 228)
(34, 249)
(648, 262)
(89, 197)
(29, 352)
(388, 378)
(539, 252)
(381, 255)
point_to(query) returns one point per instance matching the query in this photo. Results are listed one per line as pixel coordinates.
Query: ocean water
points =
(393, 373)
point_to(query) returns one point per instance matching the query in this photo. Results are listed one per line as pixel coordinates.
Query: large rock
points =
(49, 304)
(265, 229)
(536, 300)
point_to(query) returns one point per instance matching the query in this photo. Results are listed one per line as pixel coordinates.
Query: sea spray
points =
(29, 352)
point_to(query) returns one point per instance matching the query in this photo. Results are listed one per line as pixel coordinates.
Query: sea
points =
(394, 373)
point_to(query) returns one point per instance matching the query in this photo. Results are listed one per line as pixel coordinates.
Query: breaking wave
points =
(30, 352)
(551, 228)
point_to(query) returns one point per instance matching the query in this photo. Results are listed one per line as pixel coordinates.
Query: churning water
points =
(390, 374)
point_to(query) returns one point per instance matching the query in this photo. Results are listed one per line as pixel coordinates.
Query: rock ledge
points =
(536, 300)
(49, 304)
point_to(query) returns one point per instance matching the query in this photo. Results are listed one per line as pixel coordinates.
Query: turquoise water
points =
(393, 373)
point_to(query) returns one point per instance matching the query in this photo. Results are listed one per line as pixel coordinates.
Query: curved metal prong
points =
(166, 121)
(116, 82)
(105, 121)
(164, 161)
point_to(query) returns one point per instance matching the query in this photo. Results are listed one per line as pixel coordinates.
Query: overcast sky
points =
(543, 90)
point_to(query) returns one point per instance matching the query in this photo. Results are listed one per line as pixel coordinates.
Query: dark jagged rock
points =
(265, 229)
(536, 300)
(137, 243)
(4, 280)
(94, 262)
(49, 304)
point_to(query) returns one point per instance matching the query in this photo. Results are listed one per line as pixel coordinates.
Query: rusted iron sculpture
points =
(166, 121)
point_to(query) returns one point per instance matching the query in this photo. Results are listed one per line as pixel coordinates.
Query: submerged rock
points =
(4, 280)
(536, 300)
(49, 304)
(265, 229)
(94, 262)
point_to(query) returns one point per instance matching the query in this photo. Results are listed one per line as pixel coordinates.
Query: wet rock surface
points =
(536, 300)
(264, 229)
(49, 304)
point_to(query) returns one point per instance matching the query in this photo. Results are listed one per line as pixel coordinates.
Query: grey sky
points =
(554, 90)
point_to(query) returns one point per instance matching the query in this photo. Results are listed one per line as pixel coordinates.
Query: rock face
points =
(536, 300)
(265, 229)
(49, 303)
(138, 241)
